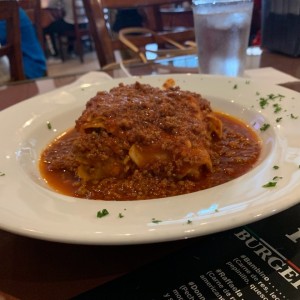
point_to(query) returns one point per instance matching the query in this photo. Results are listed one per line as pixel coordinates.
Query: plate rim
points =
(158, 234)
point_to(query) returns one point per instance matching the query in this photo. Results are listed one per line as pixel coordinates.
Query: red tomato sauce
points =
(233, 155)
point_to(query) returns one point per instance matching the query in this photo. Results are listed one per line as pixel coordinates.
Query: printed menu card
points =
(257, 261)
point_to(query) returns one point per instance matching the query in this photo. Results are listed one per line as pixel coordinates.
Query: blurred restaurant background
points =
(70, 38)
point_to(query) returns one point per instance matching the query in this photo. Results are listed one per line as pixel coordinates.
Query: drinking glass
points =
(222, 29)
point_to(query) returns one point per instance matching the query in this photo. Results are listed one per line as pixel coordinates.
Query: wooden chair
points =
(9, 12)
(177, 16)
(106, 45)
(79, 34)
(33, 10)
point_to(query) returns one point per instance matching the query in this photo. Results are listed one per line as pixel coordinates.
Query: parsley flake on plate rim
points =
(102, 213)
(49, 125)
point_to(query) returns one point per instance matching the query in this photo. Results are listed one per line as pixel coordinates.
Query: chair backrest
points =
(81, 32)
(177, 16)
(9, 12)
(81, 28)
(104, 43)
(79, 19)
(33, 10)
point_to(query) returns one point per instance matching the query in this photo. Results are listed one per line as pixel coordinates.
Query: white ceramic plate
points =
(29, 207)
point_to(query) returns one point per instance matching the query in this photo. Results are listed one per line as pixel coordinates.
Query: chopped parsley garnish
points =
(189, 222)
(263, 102)
(2, 174)
(264, 127)
(275, 167)
(102, 213)
(235, 86)
(121, 215)
(277, 108)
(49, 126)
(278, 119)
(294, 117)
(155, 221)
(270, 184)
(273, 97)
(274, 180)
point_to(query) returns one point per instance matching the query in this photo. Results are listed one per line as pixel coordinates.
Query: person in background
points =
(64, 24)
(34, 61)
(127, 18)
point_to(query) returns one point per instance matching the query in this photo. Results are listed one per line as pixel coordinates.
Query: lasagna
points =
(139, 142)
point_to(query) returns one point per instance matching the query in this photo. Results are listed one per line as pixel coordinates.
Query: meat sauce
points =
(232, 156)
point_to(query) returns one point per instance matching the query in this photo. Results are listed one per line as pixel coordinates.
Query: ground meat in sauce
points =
(92, 161)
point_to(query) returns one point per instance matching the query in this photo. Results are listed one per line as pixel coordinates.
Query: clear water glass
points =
(222, 29)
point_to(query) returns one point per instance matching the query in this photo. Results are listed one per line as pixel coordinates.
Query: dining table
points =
(35, 269)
